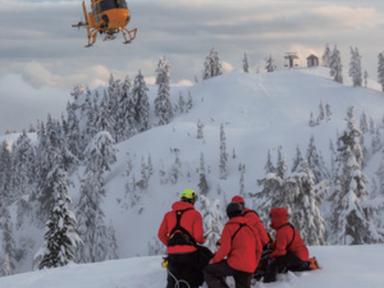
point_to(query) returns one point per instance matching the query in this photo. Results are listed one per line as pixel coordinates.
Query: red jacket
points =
(285, 235)
(244, 251)
(255, 221)
(191, 221)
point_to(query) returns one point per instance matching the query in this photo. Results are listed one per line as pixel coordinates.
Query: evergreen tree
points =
(281, 166)
(377, 144)
(380, 70)
(73, 135)
(366, 75)
(327, 56)
(163, 105)
(306, 214)
(328, 112)
(245, 64)
(140, 94)
(355, 71)
(242, 169)
(99, 156)
(213, 221)
(316, 162)
(189, 103)
(351, 222)
(6, 188)
(200, 127)
(312, 122)
(7, 260)
(336, 66)
(61, 238)
(364, 127)
(321, 116)
(212, 65)
(223, 163)
(104, 121)
(181, 104)
(269, 64)
(297, 160)
(269, 168)
(203, 183)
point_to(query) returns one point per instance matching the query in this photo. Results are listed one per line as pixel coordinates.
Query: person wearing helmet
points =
(181, 230)
(265, 238)
(289, 251)
(255, 221)
(239, 252)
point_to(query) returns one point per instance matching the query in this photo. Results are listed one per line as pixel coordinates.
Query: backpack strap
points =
(238, 230)
(178, 227)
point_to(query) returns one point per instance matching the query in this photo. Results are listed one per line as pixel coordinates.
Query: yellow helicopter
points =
(108, 18)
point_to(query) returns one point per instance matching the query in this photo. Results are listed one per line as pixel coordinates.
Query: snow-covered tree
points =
(376, 144)
(242, 170)
(73, 135)
(316, 162)
(6, 188)
(336, 66)
(327, 56)
(306, 214)
(163, 105)
(61, 237)
(140, 96)
(269, 168)
(321, 116)
(312, 122)
(380, 70)
(245, 63)
(200, 127)
(270, 64)
(189, 103)
(203, 183)
(281, 165)
(7, 259)
(351, 222)
(181, 104)
(213, 220)
(366, 75)
(212, 65)
(100, 154)
(223, 162)
(297, 160)
(364, 126)
(328, 112)
(355, 70)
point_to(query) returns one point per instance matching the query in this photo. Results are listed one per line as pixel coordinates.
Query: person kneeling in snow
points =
(289, 251)
(239, 252)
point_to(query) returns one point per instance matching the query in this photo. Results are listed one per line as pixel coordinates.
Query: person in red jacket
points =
(289, 251)
(181, 230)
(239, 252)
(254, 220)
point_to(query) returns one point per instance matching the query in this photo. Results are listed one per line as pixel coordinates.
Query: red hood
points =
(181, 205)
(279, 217)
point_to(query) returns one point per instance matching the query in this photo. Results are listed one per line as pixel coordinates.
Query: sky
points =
(42, 57)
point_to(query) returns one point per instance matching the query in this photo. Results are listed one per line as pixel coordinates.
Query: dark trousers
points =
(183, 267)
(215, 274)
(288, 262)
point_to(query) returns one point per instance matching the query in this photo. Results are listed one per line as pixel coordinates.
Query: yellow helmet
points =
(188, 194)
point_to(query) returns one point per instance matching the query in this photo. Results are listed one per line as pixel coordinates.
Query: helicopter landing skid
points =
(129, 35)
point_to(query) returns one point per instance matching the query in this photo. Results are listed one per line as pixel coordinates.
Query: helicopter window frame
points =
(105, 5)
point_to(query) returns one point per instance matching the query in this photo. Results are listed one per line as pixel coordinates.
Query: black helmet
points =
(234, 209)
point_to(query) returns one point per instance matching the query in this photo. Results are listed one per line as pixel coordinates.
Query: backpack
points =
(179, 235)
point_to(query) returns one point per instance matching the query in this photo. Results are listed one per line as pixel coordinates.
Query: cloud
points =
(22, 104)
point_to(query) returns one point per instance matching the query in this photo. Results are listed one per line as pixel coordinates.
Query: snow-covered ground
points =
(342, 267)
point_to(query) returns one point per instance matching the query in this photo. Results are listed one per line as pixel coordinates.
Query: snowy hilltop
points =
(129, 149)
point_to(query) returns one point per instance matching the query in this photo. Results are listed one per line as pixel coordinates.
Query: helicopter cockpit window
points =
(112, 4)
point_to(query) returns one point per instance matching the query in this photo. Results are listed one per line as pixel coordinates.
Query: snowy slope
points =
(259, 112)
(342, 267)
